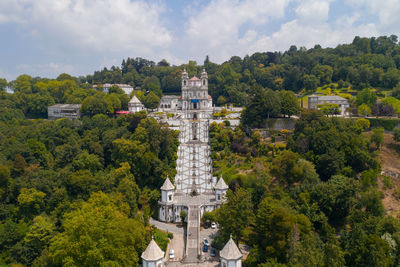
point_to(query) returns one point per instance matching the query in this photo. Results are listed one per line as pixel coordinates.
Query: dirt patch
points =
(389, 181)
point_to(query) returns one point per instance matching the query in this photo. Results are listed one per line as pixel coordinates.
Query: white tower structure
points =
(220, 191)
(194, 182)
(230, 255)
(153, 256)
(194, 166)
(195, 99)
(167, 201)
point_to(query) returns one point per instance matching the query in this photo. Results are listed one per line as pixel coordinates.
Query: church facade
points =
(194, 183)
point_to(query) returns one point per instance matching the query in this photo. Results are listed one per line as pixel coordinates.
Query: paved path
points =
(178, 245)
(193, 234)
(168, 227)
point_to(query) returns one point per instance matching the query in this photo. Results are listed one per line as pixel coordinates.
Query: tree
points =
(3, 84)
(263, 104)
(289, 168)
(364, 124)
(183, 215)
(221, 100)
(290, 104)
(153, 85)
(272, 104)
(377, 136)
(329, 109)
(396, 135)
(31, 201)
(5, 175)
(235, 214)
(151, 100)
(99, 232)
(367, 97)
(86, 161)
(364, 110)
(93, 105)
(323, 73)
(310, 82)
(35, 241)
(276, 229)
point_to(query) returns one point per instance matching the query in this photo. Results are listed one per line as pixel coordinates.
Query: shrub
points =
(387, 124)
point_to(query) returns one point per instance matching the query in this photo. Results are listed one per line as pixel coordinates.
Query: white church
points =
(194, 183)
(195, 189)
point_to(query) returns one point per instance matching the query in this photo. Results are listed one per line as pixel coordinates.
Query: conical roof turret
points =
(230, 251)
(167, 185)
(153, 252)
(221, 185)
(135, 100)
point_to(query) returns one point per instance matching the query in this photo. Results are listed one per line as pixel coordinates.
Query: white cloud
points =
(215, 29)
(52, 69)
(313, 10)
(104, 25)
(387, 12)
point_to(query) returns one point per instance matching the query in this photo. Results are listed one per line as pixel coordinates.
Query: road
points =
(168, 227)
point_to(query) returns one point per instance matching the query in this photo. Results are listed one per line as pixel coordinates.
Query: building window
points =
(219, 197)
(204, 82)
(170, 197)
(184, 83)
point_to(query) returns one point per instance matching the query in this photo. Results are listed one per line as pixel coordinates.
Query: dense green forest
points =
(310, 199)
(80, 193)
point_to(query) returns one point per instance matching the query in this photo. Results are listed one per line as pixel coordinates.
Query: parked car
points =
(171, 254)
(213, 225)
(206, 242)
(205, 248)
(212, 252)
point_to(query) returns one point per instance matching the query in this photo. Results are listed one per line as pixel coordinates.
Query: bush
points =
(387, 124)
(161, 238)
(364, 124)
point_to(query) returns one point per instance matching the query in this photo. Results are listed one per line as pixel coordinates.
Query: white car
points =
(171, 254)
(213, 225)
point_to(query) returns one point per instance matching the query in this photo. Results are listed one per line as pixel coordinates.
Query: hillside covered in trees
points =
(80, 193)
(369, 65)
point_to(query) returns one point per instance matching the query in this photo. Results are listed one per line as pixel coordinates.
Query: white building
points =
(71, 111)
(194, 97)
(220, 192)
(128, 89)
(153, 256)
(134, 105)
(230, 255)
(194, 183)
(169, 103)
(315, 100)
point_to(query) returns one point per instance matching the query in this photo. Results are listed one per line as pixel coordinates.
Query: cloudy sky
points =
(49, 37)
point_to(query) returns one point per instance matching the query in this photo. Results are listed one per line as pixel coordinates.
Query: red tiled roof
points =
(194, 78)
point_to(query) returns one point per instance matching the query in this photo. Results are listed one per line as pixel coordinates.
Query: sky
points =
(48, 37)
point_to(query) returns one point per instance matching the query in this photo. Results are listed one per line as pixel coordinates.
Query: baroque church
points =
(194, 183)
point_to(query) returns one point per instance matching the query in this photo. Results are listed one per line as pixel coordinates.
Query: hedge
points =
(387, 124)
